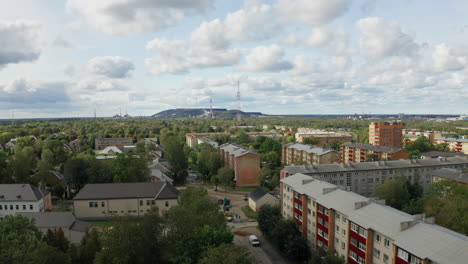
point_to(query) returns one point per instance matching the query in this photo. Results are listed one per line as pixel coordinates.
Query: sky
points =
(68, 58)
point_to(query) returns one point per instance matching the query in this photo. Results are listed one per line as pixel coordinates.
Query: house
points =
(109, 152)
(102, 143)
(73, 229)
(15, 198)
(243, 161)
(160, 171)
(73, 145)
(11, 144)
(104, 200)
(260, 197)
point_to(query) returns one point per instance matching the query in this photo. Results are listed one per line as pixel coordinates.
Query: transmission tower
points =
(211, 109)
(238, 104)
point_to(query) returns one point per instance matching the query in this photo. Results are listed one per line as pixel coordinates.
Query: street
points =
(264, 254)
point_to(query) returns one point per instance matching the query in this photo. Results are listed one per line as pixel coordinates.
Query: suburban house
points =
(298, 153)
(360, 152)
(15, 198)
(102, 143)
(243, 161)
(74, 230)
(104, 200)
(260, 197)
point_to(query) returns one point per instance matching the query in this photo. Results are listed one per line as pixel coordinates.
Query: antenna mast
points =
(211, 108)
(238, 104)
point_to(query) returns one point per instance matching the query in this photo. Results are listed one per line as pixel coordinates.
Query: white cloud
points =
(266, 59)
(446, 58)
(314, 12)
(136, 16)
(178, 56)
(383, 38)
(304, 66)
(60, 41)
(90, 86)
(332, 41)
(111, 66)
(21, 93)
(319, 37)
(18, 42)
(457, 80)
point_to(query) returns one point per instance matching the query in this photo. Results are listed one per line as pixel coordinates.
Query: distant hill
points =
(201, 113)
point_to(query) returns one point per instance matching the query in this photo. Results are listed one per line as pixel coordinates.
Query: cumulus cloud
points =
(178, 56)
(383, 38)
(18, 42)
(20, 93)
(266, 59)
(91, 86)
(446, 58)
(60, 41)
(111, 66)
(136, 16)
(316, 12)
(304, 66)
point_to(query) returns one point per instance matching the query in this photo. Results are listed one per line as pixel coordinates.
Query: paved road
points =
(264, 254)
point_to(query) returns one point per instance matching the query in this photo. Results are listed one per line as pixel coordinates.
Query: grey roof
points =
(374, 165)
(127, 190)
(64, 220)
(159, 171)
(420, 239)
(452, 174)
(21, 192)
(437, 154)
(372, 147)
(236, 150)
(309, 148)
(257, 194)
(452, 139)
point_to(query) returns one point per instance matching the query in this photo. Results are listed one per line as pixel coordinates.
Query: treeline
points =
(189, 233)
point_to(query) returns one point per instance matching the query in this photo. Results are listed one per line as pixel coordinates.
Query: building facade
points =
(243, 161)
(362, 230)
(102, 143)
(455, 144)
(359, 152)
(104, 200)
(386, 134)
(325, 137)
(297, 153)
(363, 177)
(18, 198)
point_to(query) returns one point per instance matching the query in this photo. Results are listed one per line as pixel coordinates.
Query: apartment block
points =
(455, 144)
(102, 143)
(19, 198)
(459, 176)
(104, 200)
(411, 135)
(297, 153)
(363, 177)
(243, 161)
(363, 230)
(359, 152)
(386, 134)
(324, 137)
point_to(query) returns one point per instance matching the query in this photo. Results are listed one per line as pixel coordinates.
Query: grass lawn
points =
(246, 189)
(249, 212)
(100, 223)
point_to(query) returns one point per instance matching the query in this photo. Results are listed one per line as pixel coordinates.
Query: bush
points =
(249, 212)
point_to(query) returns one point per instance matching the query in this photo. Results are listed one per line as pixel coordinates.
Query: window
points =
(322, 234)
(141, 202)
(344, 232)
(402, 254)
(11, 207)
(167, 204)
(308, 211)
(387, 243)
(93, 204)
(352, 255)
(376, 253)
(24, 207)
(343, 220)
(343, 245)
(353, 242)
(378, 238)
(17, 207)
(337, 229)
(103, 204)
(361, 246)
(337, 216)
(30, 207)
(385, 258)
(153, 202)
(337, 241)
(148, 202)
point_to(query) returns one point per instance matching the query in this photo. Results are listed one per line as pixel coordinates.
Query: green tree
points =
(130, 168)
(242, 138)
(100, 171)
(227, 254)
(267, 218)
(371, 157)
(395, 192)
(288, 239)
(422, 144)
(226, 177)
(4, 169)
(175, 155)
(209, 161)
(56, 238)
(24, 161)
(310, 141)
(75, 171)
(86, 252)
(330, 259)
(272, 159)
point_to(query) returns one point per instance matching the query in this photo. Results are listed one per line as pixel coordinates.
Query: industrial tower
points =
(210, 115)
(238, 104)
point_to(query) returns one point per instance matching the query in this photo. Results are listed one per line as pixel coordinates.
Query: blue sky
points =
(66, 58)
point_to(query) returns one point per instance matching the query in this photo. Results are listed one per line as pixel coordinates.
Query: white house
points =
(16, 198)
(260, 197)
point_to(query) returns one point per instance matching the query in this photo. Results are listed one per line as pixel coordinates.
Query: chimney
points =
(407, 224)
(429, 220)
(305, 181)
(378, 201)
(328, 190)
(358, 205)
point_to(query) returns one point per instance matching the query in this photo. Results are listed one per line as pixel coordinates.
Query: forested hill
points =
(202, 112)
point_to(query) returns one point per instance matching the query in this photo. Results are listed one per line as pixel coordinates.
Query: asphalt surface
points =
(263, 254)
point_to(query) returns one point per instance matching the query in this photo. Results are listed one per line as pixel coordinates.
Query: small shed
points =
(260, 197)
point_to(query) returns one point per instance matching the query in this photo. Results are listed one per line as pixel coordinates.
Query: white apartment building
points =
(363, 230)
(19, 198)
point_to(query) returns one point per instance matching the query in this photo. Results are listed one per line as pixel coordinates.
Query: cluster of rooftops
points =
(236, 150)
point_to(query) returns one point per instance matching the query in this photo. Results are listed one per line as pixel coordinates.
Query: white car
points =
(253, 240)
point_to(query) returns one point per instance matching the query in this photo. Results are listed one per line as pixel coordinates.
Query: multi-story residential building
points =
(411, 135)
(297, 153)
(104, 200)
(362, 177)
(323, 137)
(460, 176)
(363, 230)
(243, 161)
(102, 143)
(455, 144)
(16, 198)
(359, 152)
(386, 134)
(440, 154)
(191, 139)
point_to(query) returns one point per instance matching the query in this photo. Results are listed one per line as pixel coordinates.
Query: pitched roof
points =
(108, 149)
(21, 192)
(437, 154)
(452, 174)
(309, 148)
(257, 194)
(372, 147)
(236, 150)
(126, 190)
(56, 220)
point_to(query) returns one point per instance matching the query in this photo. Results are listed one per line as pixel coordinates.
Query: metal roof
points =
(309, 148)
(21, 192)
(257, 193)
(372, 147)
(236, 150)
(158, 190)
(57, 220)
(452, 174)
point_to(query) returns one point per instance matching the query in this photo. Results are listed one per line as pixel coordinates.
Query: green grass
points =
(247, 189)
(100, 223)
(249, 212)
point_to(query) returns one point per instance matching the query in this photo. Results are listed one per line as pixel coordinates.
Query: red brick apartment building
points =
(359, 152)
(386, 134)
(364, 230)
(243, 161)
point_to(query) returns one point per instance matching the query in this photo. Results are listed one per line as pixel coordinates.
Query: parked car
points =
(228, 216)
(253, 240)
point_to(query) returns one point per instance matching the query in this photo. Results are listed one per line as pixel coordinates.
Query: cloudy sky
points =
(65, 58)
